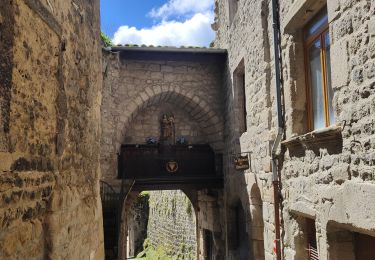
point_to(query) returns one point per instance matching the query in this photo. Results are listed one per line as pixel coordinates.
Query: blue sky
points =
(158, 22)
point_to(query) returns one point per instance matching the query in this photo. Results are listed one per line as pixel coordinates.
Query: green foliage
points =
(162, 253)
(159, 253)
(144, 194)
(106, 40)
(189, 209)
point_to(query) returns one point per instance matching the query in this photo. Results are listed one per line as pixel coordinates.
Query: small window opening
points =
(233, 7)
(240, 86)
(311, 240)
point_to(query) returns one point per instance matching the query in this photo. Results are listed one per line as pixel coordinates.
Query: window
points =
(239, 84)
(343, 243)
(233, 6)
(311, 240)
(318, 70)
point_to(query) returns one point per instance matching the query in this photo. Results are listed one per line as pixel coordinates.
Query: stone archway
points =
(139, 87)
(126, 214)
(197, 107)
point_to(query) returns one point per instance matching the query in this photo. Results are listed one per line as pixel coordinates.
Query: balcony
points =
(170, 166)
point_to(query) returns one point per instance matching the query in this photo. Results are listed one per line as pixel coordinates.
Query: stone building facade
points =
(57, 137)
(50, 94)
(326, 174)
(140, 86)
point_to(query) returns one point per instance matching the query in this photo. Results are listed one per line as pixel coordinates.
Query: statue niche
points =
(167, 131)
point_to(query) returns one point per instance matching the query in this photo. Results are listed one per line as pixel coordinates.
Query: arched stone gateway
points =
(143, 88)
(200, 111)
(135, 81)
(151, 207)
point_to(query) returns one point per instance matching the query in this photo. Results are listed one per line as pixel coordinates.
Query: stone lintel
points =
(300, 13)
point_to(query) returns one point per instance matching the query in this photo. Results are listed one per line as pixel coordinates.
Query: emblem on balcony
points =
(172, 166)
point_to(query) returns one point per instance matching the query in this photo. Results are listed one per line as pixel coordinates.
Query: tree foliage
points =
(105, 39)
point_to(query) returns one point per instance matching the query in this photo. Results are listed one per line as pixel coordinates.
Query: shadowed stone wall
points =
(50, 84)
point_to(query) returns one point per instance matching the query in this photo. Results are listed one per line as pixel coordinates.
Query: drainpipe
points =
(280, 119)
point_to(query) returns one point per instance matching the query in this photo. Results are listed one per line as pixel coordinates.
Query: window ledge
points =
(320, 138)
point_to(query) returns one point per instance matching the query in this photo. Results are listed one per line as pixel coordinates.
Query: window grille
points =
(312, 252)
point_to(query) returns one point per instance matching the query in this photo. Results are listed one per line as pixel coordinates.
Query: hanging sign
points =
(241, 163)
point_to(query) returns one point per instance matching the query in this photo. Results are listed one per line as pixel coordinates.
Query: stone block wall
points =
(137, 221)
(330, 180)
(50, 83)
(172, 224)
(138, 91)
(247, 39)
(333, 182)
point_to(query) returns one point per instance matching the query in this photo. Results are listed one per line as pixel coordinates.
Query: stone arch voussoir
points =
(197, 107)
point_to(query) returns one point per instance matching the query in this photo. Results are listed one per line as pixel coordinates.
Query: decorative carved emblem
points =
(171, 166)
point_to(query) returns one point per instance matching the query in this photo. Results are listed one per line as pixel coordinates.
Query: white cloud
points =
(182, 7)
(195, 31)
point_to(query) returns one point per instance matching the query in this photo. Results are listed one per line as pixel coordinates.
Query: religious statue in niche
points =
(167, 133)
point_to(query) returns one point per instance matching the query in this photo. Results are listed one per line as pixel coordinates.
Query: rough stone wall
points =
(137, 219)
(328, 180)
(247, 40)
(172, 223)
(50, 85)
(334, 183)
(137, 92)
